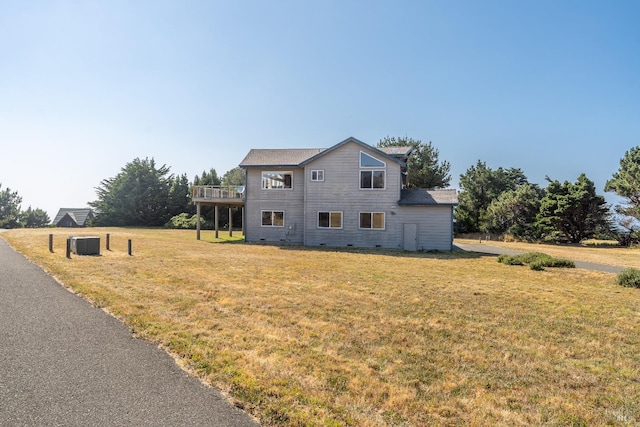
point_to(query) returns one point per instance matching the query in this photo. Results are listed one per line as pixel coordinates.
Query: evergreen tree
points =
(424, 168)
(207, 178)
(9, 208)
(479, 186)
(179, 196)
(235, 176)
(514, 212)
(572, 212)
(35, 218)
(626, 184)
(137, 196)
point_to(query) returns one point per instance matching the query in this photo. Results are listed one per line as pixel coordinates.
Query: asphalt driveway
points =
(66, 363)
(496, 250)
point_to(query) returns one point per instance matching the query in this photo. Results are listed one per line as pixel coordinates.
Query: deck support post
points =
(198, 220)
(216, 219)
(230, 222)
(243, 220)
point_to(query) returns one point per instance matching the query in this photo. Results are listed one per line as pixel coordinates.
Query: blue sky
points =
(551, 87)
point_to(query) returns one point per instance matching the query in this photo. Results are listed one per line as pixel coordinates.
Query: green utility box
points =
(89, 245)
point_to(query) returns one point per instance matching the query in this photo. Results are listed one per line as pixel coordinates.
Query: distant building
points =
(67, 217)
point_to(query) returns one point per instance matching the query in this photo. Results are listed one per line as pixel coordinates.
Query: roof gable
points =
(79, 215)
(355, 141)
(298, 157)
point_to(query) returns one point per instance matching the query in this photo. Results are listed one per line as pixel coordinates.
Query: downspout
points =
(452, 232)
(304, 207)
(244, 206)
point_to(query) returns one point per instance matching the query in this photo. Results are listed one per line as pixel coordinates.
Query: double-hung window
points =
(372, 220)
(273, 218)
(329, 219)
(277, 180)
(372, 172)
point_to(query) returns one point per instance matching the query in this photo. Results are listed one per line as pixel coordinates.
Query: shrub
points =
(538, 265)
(629, 277)
(509, 260)
(184, 221)
(536, 260)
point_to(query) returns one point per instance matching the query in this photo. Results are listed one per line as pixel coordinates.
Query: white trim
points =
(318, 173)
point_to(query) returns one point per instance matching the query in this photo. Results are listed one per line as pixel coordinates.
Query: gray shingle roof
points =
(423, 197)
(300, 156)
(396, 151)
(79, 215)
(279, 157)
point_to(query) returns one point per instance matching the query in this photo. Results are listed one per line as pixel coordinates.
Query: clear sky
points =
(551, 87)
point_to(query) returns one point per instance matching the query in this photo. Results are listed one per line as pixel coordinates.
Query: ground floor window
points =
(273, 218)
(372, 220)
(330, 219)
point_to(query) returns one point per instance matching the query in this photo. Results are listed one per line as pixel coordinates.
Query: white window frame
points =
(373, 171)
(273, 212)
(330, 214)
(319, 175)
(265, 180)
(371, 214)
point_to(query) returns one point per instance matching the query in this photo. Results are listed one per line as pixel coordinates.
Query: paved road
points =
(66, 363)
(495, 250)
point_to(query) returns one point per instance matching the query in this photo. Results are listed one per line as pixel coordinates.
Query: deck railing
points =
(215, 192)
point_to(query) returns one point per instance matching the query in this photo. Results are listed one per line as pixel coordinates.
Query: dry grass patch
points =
(306, 336)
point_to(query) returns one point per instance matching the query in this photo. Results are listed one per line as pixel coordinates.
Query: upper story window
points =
(277, 180)
(317, 175)
(371, 179)
(372, 172)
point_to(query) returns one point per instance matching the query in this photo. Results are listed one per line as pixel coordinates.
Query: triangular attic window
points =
(367, 161)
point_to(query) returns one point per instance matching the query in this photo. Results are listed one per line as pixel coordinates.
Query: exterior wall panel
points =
(340, 191)
(291, 201)
(435, 226)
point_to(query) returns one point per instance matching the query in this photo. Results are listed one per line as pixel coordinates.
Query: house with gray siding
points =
(351, 194)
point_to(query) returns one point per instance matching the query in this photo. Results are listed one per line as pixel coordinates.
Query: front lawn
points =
(317, 336)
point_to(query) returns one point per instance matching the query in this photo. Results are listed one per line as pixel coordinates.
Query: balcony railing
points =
(232, 193)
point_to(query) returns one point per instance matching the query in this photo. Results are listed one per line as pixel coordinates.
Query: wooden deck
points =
(216, 194)
(232, 196)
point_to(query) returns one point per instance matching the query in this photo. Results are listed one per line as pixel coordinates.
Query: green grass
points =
(326, 337)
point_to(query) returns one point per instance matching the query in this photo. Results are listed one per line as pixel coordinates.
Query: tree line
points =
(502, 201)
(497, 201)
(144, 194)
(12, 215)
